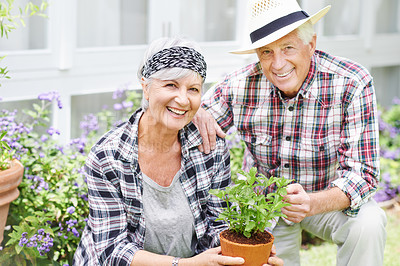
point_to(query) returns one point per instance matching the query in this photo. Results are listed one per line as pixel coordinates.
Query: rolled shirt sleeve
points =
(359, 151)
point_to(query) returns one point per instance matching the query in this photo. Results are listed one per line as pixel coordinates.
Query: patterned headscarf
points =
(177, 56)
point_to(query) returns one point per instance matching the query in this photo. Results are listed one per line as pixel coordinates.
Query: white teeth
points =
(178, 112)
(285, 74)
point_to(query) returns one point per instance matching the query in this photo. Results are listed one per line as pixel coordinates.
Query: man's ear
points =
(313, 44)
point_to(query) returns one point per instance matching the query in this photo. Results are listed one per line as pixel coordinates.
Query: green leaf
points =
(31, 219)
(18, 249)
(249, 210)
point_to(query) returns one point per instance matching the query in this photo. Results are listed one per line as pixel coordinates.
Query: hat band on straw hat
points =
(277, 24)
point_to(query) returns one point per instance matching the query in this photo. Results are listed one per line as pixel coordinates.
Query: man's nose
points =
(278, 61)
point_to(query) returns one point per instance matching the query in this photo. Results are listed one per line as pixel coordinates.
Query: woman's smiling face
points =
(173, 103)
(286, 62)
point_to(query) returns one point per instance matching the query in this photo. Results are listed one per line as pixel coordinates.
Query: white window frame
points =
(77, 71)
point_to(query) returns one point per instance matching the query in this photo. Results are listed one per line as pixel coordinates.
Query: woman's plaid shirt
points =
(116, 227)
(326, 136)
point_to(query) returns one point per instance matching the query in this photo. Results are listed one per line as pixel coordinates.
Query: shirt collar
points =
(309, 80)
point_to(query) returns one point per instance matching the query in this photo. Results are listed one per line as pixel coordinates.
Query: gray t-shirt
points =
(168, 218)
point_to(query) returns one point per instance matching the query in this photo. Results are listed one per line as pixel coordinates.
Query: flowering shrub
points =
(6, 155)
(389, 141)
(49, 216)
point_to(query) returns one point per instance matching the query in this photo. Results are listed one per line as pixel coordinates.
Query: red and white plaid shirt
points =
(326, 136)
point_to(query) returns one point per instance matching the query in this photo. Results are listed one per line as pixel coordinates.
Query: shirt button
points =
(286, 165)
(291, 108)
(288, 138)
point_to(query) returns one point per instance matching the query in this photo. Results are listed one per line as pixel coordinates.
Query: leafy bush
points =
(389, 142)
(49, 216)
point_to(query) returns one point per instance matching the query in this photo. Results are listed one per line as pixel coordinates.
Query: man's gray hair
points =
(306, 32)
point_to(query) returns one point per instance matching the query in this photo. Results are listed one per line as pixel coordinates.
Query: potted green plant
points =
(11, 171)
(249, 211)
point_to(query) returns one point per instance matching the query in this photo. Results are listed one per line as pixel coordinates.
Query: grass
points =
(325, 254)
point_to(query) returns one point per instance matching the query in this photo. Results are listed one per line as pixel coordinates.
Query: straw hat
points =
(270, 20)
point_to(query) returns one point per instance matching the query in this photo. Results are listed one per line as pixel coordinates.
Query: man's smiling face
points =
(286, 62)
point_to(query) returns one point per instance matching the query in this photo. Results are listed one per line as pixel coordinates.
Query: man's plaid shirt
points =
(326, 136)
(116, 227)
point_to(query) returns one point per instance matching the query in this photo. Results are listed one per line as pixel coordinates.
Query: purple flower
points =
(396, 101)
(126, 104)
(23, 239)
(59, 104)
(90, 123)
(33, 238)
(386, 190)
(84, 197)
(43, 138)
(60, 148)
(50, 96)
(119, 93)
(71, 222)
(51, 131)
(71, 210)
(79, 144)
(37, 183)
(75, 232)
(117, 106)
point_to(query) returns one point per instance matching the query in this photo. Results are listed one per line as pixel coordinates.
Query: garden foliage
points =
(389, 142)
(249, 209)
(48, 218)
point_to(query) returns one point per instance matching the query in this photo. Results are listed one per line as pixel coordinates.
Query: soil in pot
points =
(255, 250)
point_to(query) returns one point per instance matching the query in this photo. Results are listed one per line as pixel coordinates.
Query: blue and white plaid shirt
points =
(116, 225)
(326, 136)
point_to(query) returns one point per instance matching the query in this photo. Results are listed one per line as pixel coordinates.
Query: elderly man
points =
(308, 116)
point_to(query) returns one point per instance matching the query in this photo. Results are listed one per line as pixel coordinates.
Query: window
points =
(388, 16)
(343, 18)
(29, 37)
(111, 23)
(387, 84)
(209, 20)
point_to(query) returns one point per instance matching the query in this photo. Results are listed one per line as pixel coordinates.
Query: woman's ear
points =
(145, 89)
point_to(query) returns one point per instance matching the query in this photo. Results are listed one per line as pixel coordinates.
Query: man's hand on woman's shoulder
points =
(209, 129)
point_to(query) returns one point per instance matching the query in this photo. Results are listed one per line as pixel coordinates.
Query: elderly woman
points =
(148, 183)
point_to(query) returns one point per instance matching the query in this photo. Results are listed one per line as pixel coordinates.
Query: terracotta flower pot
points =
(253, 255)
(9, 182)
